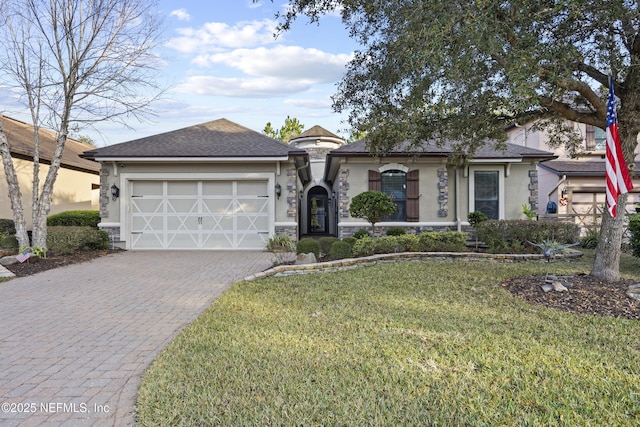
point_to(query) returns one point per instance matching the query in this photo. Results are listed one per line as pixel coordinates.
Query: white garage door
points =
(199, 214)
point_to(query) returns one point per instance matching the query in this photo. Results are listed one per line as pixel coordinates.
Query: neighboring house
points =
(574, 183)
(77, 183)
(219, 185)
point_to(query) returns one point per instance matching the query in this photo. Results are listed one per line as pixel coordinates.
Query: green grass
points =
(431, 343)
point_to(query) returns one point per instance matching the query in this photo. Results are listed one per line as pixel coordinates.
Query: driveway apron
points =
(75, 341)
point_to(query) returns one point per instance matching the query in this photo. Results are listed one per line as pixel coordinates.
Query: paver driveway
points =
(75, 341)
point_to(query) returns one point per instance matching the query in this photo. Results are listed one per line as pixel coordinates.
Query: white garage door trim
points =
(220, 230)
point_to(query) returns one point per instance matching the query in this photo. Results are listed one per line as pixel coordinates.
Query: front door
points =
(318, 210)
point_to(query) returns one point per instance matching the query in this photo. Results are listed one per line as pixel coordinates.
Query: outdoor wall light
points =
(278, 190)
(115, 192)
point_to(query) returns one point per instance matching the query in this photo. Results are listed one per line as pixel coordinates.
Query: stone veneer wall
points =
(533, 189)
(443, 193)
(292, 193)
(343, 187)
(105, 197)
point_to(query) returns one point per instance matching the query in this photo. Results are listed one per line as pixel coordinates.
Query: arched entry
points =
(317, 211)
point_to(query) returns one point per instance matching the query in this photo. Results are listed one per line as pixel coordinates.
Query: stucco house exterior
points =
(575, 181)
(77, 184)
(220, 185)
(431, 192)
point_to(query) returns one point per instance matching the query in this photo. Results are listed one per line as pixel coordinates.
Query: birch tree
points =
(74, 63)
(463, 70)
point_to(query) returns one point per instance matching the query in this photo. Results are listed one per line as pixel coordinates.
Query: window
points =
(394, 184)
(601, 139)
(486, 193)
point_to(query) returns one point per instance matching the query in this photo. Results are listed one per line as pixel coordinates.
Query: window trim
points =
(501, 188)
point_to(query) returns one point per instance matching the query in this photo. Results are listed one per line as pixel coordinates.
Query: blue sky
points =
(221, 60)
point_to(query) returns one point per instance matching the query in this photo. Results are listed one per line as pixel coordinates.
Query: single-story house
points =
(77, 183)
(219, 185)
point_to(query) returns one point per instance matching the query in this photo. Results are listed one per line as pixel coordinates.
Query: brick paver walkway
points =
(75, 341)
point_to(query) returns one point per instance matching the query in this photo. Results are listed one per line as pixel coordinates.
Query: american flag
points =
(22, 257)
(618, 179)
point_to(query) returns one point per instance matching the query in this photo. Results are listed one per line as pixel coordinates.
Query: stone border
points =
(350, 263)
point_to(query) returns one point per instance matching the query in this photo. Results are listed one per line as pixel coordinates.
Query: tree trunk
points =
(14, 190)
(606, 265)
(44, 202)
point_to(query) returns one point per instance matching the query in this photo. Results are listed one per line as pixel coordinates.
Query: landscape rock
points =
(554, 286)
(634, 292)
(8, 260)
(309, 258)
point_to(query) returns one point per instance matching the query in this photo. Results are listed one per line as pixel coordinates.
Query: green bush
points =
(396, 231)
(326, 243)
(364, 247)
(280, 243)
(514, 236)
(78, 218)
(63, 240)
(7, 227)
(385, 245)
(350, 240)
(340, 250)
(8, 241)
(590, 240)
(476, 217)
(442, 241)
(361, 233)
(634, 229)
(308, 245)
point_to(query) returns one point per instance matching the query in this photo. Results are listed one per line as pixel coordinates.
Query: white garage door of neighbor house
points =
(199, 214)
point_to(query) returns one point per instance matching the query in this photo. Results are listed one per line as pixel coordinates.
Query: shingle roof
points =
(316, 131)
(20, 139)
(216, 139)
(580, 167)
(489, 151)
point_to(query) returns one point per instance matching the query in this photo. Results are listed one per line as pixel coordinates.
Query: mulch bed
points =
(585, 294)
(43, 264)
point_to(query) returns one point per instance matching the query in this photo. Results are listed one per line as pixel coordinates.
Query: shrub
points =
(78, 218)
(364, 247)
(8, 241)
(442, 241)
(372, 206)
(350, 240)
(634, 229)
(361, 233)
(63, 240)
(308, 245)
(280, 243)
(340, 250)
(7, 227)
(385, 245)
(513, 236)
(326, 243)
(396, 231)
(476, 217)
(590, 240)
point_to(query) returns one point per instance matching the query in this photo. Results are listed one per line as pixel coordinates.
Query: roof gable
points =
(216, 139)
(21, 144)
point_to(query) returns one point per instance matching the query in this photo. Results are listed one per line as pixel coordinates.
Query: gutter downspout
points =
(458, 221)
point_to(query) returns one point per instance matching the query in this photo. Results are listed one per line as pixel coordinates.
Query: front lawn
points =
(429, 343)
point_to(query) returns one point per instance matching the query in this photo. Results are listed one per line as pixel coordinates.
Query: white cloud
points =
(284, 62)
(261, 87)
(181, 14)
(214, 36)
(319, 104)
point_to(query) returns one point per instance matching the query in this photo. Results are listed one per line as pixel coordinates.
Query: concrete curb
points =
(349, 263)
